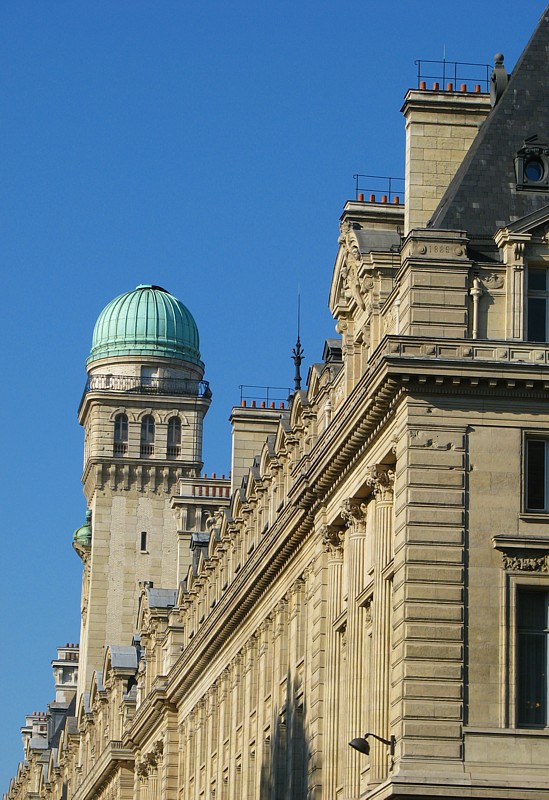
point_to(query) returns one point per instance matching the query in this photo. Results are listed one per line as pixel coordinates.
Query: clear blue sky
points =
(209, 148)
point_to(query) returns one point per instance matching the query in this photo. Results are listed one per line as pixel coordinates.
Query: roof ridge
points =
(483, 195)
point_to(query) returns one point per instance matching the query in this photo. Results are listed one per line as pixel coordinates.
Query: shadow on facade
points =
(284, 771)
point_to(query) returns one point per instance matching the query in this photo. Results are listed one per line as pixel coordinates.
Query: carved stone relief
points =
(526, 561)
(492, 281)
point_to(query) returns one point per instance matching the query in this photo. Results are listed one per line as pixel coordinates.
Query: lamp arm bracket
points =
(390, 742)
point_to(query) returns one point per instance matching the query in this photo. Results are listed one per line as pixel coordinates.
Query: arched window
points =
(120, 435)
(147, 436)
(174, 437)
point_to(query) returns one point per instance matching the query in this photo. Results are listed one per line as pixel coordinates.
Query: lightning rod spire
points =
(298, 352)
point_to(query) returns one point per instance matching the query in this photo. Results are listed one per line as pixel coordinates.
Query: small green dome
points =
(148, 321)
(82, 536)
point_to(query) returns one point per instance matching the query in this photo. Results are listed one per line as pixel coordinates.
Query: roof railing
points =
(264, 396)
(448, 75)
(384, 186)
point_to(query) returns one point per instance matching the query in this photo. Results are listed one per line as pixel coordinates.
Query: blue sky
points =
(208, 148)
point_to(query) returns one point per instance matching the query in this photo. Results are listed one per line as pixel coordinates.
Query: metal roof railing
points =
(454, 72)
(264, 394)
(384, 185)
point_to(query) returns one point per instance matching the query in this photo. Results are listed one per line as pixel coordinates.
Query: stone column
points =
(354, 516)
(211, 707)
(249, 702)
(297, 761)
(333, 538)
(264, 686)
(199, 748)
(381, 480)
(280, 730)
(234, 718)
(223, 710)
(190, 749)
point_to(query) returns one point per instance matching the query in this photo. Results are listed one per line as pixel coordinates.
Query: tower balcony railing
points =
(135, 384)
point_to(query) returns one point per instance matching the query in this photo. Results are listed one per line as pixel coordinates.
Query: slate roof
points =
(71, 726)
(482, 196)
(123, 657)
(161, 598)
(376, 241)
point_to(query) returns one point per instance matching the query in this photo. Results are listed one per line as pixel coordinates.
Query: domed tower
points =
(142, 412)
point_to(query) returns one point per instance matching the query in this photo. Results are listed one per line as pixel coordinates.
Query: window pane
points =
(174, 431)
(535, 475)
(531, 679)
(121, 428)
(147, 430)
(537, 280)
(532, 658)
(536, 319)
(531, 611)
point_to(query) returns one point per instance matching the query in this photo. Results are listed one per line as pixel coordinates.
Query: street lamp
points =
(363, 746)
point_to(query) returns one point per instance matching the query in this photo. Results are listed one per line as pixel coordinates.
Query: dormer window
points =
(147, 436)
(532, 166)
(120, 435)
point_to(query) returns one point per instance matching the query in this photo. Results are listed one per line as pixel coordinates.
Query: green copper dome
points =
(148, 321)
(83, 535)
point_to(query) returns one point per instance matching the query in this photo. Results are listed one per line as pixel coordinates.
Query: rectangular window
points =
(143, 541)
(149, 378)
(532, 631)
(538, 305)
(537, 474)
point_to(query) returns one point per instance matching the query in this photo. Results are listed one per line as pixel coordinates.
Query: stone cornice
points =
(400, 365)
(400, 360)
(169, 470)
(114, 754)
(150, 713)
(279, 543)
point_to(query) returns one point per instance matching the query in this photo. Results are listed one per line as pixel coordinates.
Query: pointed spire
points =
(298, 352)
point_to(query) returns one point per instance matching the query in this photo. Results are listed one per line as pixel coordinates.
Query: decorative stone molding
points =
(142, 769)
(492, 281)
(354, 285)
(332, 538)
(526, 561)
(353, 513)
(381, 480)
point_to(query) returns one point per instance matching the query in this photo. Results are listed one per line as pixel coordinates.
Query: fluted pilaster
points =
(333, 539)
(354, 516)
(381, 480)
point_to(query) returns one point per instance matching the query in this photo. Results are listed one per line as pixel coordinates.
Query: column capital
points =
(332, 538)
(381, 479)
(353, 513)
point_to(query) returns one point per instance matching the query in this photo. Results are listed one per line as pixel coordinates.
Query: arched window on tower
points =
(120, 435)
(147, 436)
(174, 437)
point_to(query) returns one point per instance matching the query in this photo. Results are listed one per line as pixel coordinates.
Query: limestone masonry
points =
(376, 566)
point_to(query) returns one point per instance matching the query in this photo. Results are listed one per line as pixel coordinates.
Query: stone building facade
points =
(380, 569)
